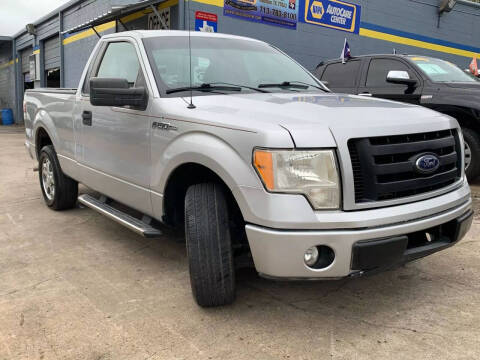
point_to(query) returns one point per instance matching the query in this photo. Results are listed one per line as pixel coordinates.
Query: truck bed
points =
(56, 106)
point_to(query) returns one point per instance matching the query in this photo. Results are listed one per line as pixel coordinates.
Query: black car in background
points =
(422, 80)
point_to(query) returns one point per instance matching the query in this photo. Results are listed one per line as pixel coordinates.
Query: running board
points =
(120, 217)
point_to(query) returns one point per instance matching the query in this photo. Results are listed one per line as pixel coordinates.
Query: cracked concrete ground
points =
(75, 285)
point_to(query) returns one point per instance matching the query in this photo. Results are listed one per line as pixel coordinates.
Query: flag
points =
(474, 67)
(346, 55)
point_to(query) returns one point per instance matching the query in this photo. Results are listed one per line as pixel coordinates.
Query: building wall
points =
(7, 74)
(76, 53)
(310, 44)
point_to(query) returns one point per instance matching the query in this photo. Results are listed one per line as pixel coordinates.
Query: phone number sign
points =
(334, 14)
(282, 13)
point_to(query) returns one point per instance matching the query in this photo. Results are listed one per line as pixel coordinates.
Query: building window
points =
(27, 82)
(52, 78)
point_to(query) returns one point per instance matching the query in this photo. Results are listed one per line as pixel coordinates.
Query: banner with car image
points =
(282, 13)
(334, 14)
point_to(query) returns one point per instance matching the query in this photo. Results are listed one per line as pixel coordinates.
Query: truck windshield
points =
(441, 71)
(215, 60)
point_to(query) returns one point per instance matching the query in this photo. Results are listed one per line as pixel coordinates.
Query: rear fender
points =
(42, 120)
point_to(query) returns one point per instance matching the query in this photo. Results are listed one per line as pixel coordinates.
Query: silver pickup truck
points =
(233, 141)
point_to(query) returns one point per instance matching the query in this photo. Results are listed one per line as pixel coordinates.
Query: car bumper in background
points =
(280, 253)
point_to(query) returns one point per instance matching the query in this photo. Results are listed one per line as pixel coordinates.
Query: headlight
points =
(312, 173)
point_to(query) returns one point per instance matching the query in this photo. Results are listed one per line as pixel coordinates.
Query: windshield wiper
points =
(242, 86)
(204, 87)
(291, 85)
(311, 85)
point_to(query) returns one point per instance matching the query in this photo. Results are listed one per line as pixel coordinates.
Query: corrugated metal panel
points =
(7, 96)
(24, 41)
(5, 87)
(25, 60)
(52, 53)
(48, 28)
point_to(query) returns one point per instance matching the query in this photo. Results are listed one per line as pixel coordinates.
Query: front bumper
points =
(280, 253)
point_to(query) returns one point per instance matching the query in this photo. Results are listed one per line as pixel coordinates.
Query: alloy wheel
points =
(48, 180)
(468, 156)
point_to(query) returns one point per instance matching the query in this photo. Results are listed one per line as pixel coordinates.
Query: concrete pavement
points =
(75, 285)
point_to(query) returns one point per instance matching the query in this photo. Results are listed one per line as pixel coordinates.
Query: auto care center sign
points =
(332, 14)
(282, 13)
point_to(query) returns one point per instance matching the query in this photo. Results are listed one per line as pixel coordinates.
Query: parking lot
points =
(75, 285)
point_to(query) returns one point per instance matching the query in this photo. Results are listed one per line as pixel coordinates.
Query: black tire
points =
(65, 191)
(209, 247)
(472, 139)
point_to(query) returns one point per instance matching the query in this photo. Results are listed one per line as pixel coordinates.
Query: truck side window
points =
(379, 68)
(120, 61)
(342, 75)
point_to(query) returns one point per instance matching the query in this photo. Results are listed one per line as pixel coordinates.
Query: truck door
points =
(342, 78)
(375, 82)
(115, 141)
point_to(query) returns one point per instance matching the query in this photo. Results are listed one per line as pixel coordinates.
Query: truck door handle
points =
(87, 118)
(365, 94)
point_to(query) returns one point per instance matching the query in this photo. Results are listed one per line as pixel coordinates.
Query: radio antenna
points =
(190, 106)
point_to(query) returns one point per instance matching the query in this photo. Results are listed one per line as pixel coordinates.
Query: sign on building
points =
(155, 24)
(34, 67)
(205, 22)
(334, 14)
(272, 12)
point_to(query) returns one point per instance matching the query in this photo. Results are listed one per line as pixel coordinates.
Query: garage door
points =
(25, 60)
(52, 53)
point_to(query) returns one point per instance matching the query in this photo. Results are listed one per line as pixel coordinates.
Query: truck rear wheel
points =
(209, 247)
(472, 153)
(59, 191)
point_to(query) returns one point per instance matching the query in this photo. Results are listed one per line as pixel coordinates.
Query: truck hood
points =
(321, 119)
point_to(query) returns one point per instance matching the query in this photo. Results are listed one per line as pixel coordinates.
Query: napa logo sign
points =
(334, 14)
(317, 10)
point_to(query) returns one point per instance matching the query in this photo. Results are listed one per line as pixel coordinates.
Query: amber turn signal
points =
(263, 162)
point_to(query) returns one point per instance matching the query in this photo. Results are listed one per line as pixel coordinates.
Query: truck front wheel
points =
(59, 191)
(209, 246)
(472, 153)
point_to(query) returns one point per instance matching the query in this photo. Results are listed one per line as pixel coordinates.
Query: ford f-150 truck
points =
(422, 80)
(236, 143)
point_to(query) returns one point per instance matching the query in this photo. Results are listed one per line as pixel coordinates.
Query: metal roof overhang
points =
(5, 42)
(115, 14)
(5, 39)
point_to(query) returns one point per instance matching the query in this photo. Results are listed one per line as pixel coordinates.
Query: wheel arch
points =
(196, 156)
(180, 179)
(42, 138)
(44, 131)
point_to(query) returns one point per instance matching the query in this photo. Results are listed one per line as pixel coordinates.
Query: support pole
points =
(62, 55)
(93, 28)
(124, 26)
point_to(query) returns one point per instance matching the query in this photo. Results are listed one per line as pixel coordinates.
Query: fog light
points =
(311, 256)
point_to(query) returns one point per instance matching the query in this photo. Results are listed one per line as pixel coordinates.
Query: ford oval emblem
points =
(427, 163)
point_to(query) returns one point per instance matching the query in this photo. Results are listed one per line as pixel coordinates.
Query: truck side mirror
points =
(116, 92)
(400, 77)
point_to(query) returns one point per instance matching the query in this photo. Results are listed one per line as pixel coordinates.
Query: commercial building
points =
(52, 51)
